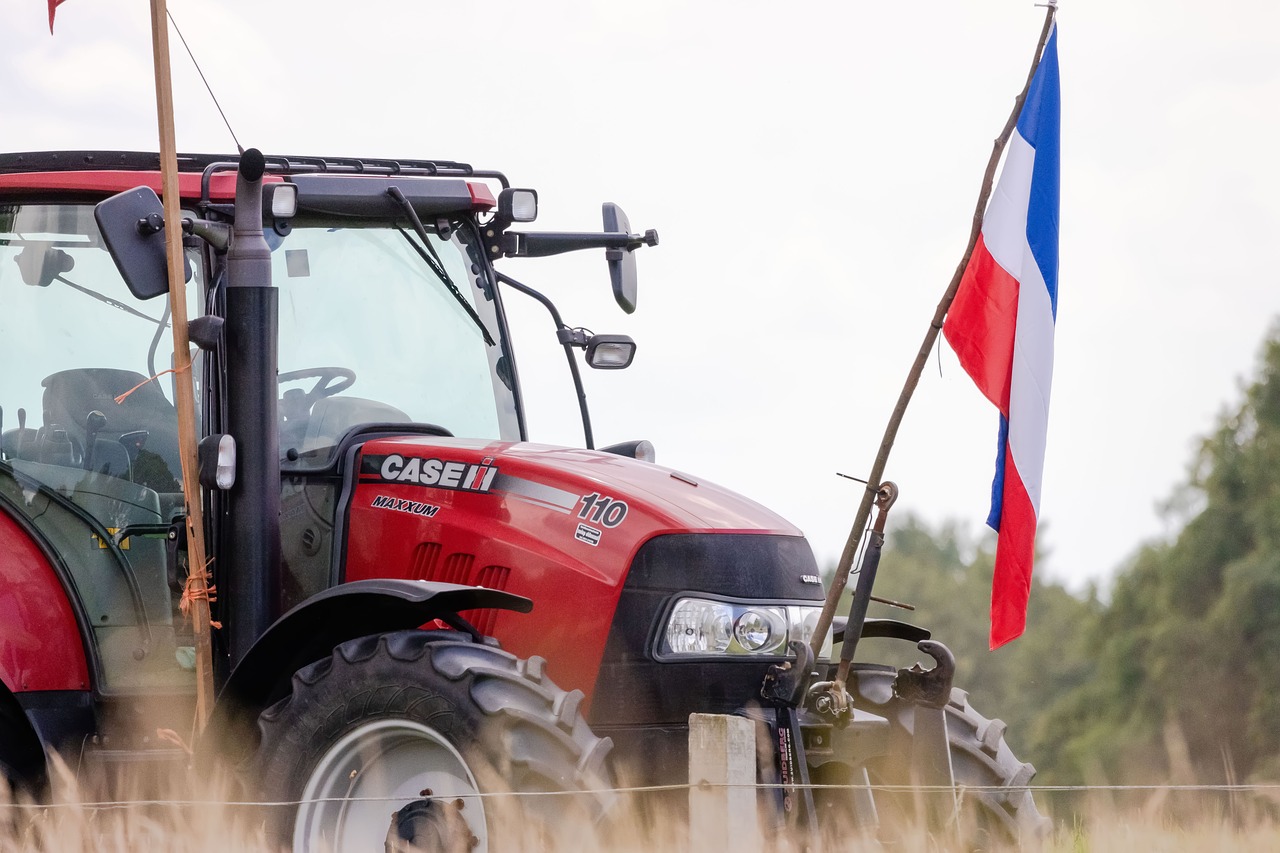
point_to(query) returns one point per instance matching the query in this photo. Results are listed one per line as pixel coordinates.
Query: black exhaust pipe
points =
(250, 570)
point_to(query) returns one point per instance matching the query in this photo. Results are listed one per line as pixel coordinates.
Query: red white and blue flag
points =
(1001, 326)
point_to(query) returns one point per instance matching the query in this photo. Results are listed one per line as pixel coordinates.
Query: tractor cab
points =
(372, 310)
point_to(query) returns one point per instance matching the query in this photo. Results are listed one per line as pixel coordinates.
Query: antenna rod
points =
(208, 88)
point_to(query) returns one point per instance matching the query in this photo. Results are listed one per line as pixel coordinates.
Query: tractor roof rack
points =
(140, 161)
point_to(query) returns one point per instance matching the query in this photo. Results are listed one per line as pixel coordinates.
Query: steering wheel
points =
(295, 404)
(325, 385)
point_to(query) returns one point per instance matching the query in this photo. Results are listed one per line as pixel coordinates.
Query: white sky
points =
(812, 172)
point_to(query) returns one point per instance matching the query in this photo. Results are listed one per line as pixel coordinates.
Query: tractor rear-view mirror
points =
(622, 262)
(132, 226)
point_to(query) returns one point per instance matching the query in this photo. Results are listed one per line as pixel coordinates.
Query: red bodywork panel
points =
(557, 525)
(40, 645)
(222, 185)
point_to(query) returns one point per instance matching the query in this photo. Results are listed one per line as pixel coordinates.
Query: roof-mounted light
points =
(282, 200)
(518, 205)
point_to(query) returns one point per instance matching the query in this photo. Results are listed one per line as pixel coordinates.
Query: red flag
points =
(53, 4)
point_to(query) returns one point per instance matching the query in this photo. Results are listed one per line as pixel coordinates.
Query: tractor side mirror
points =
(622, 262)
(132, 226)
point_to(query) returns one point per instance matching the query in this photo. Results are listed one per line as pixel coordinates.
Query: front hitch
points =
(930, 688)
(930, 691)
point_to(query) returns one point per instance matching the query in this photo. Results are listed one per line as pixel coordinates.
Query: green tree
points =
(1187, 678)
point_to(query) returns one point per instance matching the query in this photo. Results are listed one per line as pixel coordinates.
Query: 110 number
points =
(602, 509)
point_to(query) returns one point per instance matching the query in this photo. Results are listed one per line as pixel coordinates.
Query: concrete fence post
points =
(722, 752)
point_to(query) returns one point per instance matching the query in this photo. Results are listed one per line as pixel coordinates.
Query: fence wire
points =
(1272, 789)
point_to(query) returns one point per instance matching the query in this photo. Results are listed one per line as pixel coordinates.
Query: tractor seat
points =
(139, 439)
(332, 417)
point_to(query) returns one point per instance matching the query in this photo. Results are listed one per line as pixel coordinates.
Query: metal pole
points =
(197, 591)
(250, 570)
(913, 378)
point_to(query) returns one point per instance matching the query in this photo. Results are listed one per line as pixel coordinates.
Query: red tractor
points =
(418, 604)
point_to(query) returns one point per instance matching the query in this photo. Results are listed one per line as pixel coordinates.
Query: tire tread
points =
(499, 711)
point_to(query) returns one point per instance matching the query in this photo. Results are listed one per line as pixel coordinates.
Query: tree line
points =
(1174, 674)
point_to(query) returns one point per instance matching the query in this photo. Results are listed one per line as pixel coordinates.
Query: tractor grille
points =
(430, 563)
(493, 577)
(457, 569)
(426, 557)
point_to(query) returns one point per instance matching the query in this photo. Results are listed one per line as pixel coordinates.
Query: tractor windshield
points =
(411, 329)
(89, 433)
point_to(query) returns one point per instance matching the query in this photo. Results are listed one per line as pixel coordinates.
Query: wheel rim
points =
(374, 770)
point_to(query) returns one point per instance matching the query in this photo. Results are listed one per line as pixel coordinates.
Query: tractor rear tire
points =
(436, 732)
(996, 809)
(22, 760)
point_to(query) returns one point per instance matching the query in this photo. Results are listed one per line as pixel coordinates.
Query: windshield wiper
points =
(433, 260)
(108, 300)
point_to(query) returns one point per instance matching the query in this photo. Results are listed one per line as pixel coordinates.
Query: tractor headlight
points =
(760, 629)
(702, 627)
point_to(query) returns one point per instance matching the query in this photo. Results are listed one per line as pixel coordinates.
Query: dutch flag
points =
(1001, 327)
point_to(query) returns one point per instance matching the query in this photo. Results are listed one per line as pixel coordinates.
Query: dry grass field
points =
(1155, 822)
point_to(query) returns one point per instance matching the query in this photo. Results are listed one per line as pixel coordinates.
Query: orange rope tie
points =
(173, 737)
(197, 589)
(122, 397)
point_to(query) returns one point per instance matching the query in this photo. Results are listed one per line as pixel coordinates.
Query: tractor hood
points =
(563, 480)
(562, 527)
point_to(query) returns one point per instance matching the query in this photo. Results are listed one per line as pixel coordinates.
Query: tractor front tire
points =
(424, 744)
(996, 809)
(992, 780)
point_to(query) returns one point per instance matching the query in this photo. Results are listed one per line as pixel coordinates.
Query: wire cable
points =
(205, 80)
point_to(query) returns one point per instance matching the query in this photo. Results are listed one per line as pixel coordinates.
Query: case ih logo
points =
(437, 473)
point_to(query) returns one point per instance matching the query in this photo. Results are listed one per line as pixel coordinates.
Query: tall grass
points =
(194, 818)
(178, 814)
(1143, 833)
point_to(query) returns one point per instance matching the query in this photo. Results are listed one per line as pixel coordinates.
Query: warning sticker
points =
(590, 535)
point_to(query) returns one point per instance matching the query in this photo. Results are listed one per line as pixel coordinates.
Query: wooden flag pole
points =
(197, 591)
(913, 378)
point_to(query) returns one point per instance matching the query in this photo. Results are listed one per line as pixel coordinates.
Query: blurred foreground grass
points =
(1163, 822)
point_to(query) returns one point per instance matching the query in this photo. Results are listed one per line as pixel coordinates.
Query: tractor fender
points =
(892, 629)
(44, 630)
(312, 629)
